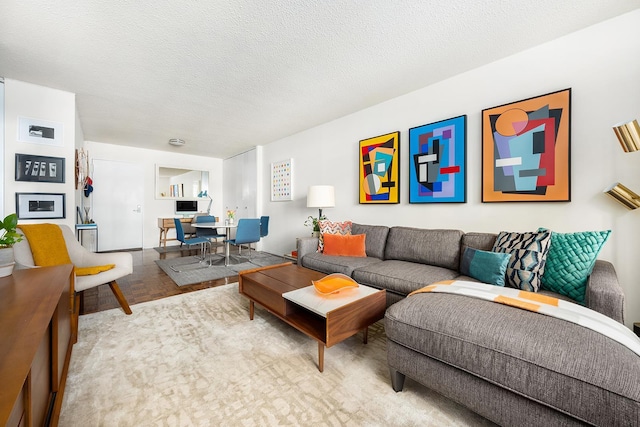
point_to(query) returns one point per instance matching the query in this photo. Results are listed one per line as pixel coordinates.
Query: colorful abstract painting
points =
(282, 180)
(437, 162)
(379, 169)
(526, 150)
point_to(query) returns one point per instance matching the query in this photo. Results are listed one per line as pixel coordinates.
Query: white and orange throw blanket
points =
(542, 304)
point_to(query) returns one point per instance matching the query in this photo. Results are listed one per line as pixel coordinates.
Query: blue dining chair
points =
(202, 241)
(264, 226)
(247, 232)
(208, 233)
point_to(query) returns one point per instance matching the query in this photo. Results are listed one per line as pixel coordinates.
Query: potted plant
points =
(8, 237)
(231, 214)
(315, 224)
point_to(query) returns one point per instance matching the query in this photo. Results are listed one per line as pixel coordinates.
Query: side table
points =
(291, 257)
(81, 228)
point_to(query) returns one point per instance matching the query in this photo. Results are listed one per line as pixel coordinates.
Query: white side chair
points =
(81, 257)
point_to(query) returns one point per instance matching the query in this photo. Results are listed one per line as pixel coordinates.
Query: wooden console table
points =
(38, 331)
(166, 224)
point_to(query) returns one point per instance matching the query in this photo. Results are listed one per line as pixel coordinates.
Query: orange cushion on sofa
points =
(344, 245)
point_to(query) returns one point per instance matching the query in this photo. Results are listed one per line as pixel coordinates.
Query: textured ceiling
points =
(229, 75)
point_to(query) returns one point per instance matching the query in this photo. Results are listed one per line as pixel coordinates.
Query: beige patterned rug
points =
(197, 360)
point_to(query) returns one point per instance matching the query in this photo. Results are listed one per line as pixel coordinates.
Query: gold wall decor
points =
(629, 135)
(624, 195)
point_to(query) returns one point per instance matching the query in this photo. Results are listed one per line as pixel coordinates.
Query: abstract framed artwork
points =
(282, 180)
(438, 162)
(39, 168)
(379, 169)
(526, 150)
(40, 205)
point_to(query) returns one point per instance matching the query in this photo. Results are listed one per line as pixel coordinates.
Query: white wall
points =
(161, 208)
(2, 154)
(42, 103)
(601, 66)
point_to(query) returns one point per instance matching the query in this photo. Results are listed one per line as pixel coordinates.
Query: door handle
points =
(138, 209)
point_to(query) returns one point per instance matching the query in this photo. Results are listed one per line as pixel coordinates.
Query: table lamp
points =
(321, 196)
(204, 194)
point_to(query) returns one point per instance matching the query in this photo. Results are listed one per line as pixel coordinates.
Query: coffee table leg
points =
(251, 308)
(320, 357)
(365, 335)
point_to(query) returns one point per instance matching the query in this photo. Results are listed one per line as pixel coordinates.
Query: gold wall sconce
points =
(628, 134)
(623, 195)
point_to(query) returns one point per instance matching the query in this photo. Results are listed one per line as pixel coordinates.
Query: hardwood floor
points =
(147, 283)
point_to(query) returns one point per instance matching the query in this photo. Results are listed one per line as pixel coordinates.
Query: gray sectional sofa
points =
(509, 365)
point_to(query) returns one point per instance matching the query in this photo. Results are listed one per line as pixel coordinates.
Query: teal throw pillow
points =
(487, 267)
(570, 261)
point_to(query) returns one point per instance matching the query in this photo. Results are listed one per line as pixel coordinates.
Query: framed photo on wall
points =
(40, 205)
(379, 170)
(438, 162)
(39, 168)
(526, 150)
(40, 131)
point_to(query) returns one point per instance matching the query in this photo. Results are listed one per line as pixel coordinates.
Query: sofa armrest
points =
(604, 294)
(306, 245)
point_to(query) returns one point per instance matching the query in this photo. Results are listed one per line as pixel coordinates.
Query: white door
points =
(118, 195)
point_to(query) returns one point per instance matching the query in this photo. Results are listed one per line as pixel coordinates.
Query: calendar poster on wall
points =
(282, 180)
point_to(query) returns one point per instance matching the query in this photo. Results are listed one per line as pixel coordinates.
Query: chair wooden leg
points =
(120, 297)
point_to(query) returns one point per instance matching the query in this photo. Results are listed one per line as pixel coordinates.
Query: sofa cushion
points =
(376, 238)
(335, 264)
(485, 266)
(440, 248)
(348, 245)
(331, 227)
(401, 277)
(482, 241)
(528, 254)
(560, 364)
(570, 260)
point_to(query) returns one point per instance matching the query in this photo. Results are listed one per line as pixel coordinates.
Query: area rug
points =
(174, 248)
(193, 271)
(196, 359)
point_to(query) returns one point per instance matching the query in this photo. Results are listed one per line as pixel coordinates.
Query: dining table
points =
(227, 228)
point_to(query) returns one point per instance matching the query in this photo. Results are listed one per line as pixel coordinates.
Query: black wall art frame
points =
(39, 168)
(40, 205)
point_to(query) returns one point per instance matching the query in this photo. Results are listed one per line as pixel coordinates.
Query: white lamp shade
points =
(321, 196)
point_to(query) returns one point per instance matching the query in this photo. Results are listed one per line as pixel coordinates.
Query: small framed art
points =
(282, 180)
(40, 131)
(39, 168)
(526, 150)
(40, 205)
(437, 162)
(380, 169)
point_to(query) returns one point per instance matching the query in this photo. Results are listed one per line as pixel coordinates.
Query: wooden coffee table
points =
(327, 319)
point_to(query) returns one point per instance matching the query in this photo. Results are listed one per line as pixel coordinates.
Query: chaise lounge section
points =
(512, 366)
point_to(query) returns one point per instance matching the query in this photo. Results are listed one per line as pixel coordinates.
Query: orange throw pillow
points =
(345, 245)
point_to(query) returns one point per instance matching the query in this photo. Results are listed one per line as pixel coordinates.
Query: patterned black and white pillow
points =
(528, 256)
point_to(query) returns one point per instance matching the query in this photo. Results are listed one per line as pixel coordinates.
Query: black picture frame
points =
(34, 168)
(40, 205)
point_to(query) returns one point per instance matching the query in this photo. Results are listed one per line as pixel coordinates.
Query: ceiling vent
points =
(177, 142)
